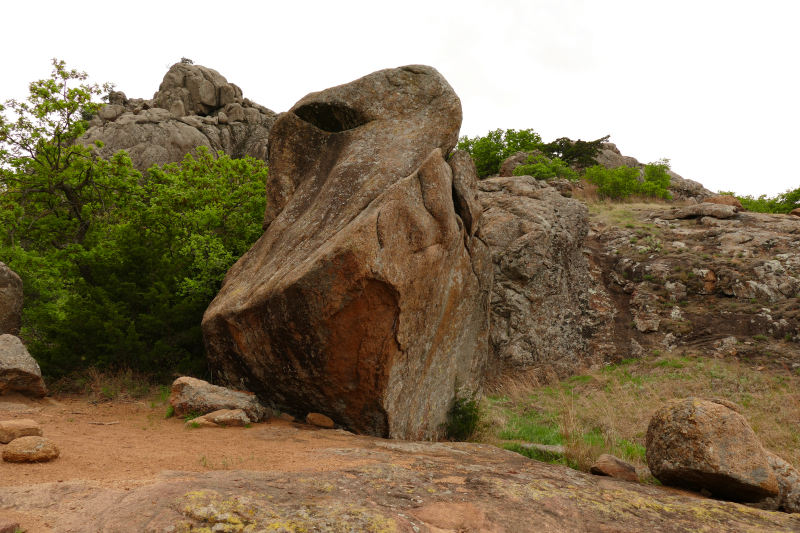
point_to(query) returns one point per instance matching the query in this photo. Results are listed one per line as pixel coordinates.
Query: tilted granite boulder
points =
(698, 444)
(194, 106)
(551, 315)
(366, 299)
(191, 395)
(11, 301)
(19, 372)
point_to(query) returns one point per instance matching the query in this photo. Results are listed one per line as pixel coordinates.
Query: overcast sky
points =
(710, 84)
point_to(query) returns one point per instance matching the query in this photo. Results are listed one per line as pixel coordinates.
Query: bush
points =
(782, 203)
(622, 182)
(490, 151)
(581, 154)
(463, 418)
(542, 168)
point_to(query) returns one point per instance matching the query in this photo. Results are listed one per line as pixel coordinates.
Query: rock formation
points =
(194, 106)
(191, 395)
(19, 372)
(11, 301)
(367, 298)
(550, 313)
(698, 444)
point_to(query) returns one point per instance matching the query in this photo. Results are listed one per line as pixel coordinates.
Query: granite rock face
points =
(367, 298)
(19, 372)
(11, 301)
(698, 444)
(194, 106)
(551, 315)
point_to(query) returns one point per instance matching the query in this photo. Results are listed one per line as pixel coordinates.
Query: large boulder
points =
(550, 313)
(11, 301)
(194, 106)
(789, 480)
(19, 372)
(191, 395)
(367, 298)
(698, 444)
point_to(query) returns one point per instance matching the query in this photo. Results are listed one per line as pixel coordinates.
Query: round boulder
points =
(698, 444)
(30, 450)
(322, 421)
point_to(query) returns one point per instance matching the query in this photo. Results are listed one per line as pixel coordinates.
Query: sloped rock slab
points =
(428, 488)
(19, 372)
(190, 395)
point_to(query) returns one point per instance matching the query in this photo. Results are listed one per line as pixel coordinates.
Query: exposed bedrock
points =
(551, 315)
(367, 297)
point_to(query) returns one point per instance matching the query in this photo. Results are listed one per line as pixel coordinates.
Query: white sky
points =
(710, 84)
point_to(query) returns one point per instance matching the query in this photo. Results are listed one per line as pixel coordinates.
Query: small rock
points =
(7, 526)
(30, 450)
(14, 429)
(725, 199)
(222, 118)
(316, 419)
(19, 372)
(698, 444)
(287, 417)
(200, 422)
(608, 465)
(228, 417)
(198, 396)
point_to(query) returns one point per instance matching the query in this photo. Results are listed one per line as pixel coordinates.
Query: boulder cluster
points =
(194, 106)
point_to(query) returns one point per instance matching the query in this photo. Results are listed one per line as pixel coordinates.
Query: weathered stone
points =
(201, 422)
(191, 395)
(30, 450)
(366, 299)
(157, 132)
(287, 417)
(11, 300)
(316, 419)
(725, 199)
(795, 212)
(7, 526)
(697, 444)
(789, 480)
(14, 429)
(700, 210)
(550, 312)
(512, 162)
(19, 372)
(228, 417)
(608, 465)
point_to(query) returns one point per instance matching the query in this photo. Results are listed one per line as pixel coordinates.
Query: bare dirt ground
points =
(148, 474)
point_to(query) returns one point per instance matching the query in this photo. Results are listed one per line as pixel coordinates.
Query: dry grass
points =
(120, 385)
(608, 411)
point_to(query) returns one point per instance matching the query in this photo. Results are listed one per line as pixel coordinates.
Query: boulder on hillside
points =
(550, 313)
(789, 480)
(608, 465)
(725, 199)
(699, 210)
(698, 444)
(30, 450)
(11, 301)
(19, 372)
(194, 106)
(191, 395)
(367, 298)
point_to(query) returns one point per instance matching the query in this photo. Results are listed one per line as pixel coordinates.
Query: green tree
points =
(543, 168)
(784, 202)
(490, 151)
(579, 154)
(118, 269)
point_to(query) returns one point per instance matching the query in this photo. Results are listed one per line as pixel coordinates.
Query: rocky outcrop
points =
(366, 299)
(704, 209)
(703, 445)
(11, 301)
(194, 106)
(725, 199)
(30, 450)
(550, 313)
(19, 372)
(191, 395)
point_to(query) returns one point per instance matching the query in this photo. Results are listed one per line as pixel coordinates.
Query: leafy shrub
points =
(490, 151)
(622, 182)
(463, 418)
(543, 168)
(781, 203)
